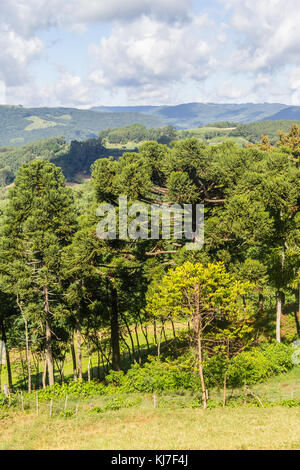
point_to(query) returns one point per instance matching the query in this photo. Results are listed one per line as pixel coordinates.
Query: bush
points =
(115, 404)
(67, 414)
(158, 376)
(259, 363)
(4, 400)
(76, 388)
(249, 367)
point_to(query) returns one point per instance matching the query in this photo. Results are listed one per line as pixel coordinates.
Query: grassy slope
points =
(148, 428)
(20, 125)
(144, 427)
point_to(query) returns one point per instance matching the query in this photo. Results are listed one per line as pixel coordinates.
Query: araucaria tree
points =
(39, 221)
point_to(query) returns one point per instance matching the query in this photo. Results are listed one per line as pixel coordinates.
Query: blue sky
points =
(114, 52)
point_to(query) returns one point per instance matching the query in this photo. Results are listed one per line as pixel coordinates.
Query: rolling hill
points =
(191, 115)
(19, 125)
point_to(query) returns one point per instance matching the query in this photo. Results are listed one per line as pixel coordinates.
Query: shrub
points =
(67, 414)
(115, 404)
(74, 388)
(5, 401)
(157, 376)
(249, 367)
(259, 363)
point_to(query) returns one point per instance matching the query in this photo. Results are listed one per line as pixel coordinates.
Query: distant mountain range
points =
(191, 115)
(19, 125)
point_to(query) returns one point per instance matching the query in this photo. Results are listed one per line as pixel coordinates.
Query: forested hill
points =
(19, 125)
(75, 158)
(190, 115)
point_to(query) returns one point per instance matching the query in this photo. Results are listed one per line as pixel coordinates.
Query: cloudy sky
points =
(128, 52)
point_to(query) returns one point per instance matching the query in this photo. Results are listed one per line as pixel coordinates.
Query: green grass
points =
(38, 123)
(157, 429)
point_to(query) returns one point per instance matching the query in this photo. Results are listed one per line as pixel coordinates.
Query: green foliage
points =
(181, 189)
(67, 414)
(7, 401)
(259, 363)
(222, 124)
(138, 133)
(157, 376)
(117, 403)
(72, 389)
(3, 400)
(254, 130)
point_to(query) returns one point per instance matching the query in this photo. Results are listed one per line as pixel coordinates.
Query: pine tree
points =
(39, 221)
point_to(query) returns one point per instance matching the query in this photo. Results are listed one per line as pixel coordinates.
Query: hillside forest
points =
(223, 316)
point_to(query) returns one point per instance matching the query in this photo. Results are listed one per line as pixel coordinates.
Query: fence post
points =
(66, 401)
(245, 394)
(154, 401)
(5, 390)
(51, 406)
(22, 401)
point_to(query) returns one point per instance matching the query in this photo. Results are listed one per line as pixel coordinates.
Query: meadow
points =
(144, 427)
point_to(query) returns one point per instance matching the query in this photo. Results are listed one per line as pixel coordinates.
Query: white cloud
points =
(149, 55)
(16, 54)
(268, 33)
(70, 90)
(22, 20)
(156, 51)
(29, 16)
(294, 79)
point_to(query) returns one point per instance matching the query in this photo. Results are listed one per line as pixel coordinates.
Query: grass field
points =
(144, 427)
(156, 429)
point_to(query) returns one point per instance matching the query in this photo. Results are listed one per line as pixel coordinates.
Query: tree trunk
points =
(44, 374)
(127, 346)
(9, 375)
(114, 325)
(278, 315)
(79, 352)
(48, 349)
(145, 333)
(138, 342)
(73, 354)
(154, 331)
(261, 303)
(90, 359)
(20, 304)
(225, 388)
(173, 328)
(204, 397)
(159, 343)
(297, 313)
(198, 331)
(130, 336)
(28, 356)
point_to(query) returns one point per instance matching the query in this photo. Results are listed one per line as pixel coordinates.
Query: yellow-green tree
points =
(211, 298)
(290, 143)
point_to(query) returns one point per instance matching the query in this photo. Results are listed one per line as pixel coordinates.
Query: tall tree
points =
(39, 221)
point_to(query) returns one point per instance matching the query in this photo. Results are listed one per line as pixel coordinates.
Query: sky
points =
(83, 53)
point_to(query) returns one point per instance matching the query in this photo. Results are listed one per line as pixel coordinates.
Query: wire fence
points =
(70, 406)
